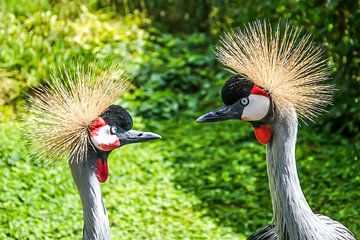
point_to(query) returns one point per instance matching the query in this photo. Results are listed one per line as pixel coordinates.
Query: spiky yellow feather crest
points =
(284, 63)
(62, 111)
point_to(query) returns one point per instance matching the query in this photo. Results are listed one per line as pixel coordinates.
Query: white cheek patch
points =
(103, 139)
(257, 108)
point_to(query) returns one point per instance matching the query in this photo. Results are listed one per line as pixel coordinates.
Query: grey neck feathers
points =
(96, 222)
(293, 217)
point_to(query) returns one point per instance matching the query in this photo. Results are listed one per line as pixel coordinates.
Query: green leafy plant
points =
(46, 38)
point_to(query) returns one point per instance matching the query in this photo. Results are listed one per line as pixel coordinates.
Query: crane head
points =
(244, 100)
(113, 129)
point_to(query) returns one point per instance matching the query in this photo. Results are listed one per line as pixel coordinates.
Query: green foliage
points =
(171, 56)
(34, 200)
(47, 38)
(177, 77)
(200, 182)
(333, 23)
(143, 201)
(224, 166)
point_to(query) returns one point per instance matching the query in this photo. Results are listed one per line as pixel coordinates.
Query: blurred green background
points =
(200, 181)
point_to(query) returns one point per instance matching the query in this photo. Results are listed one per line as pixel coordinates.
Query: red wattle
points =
(102, 172)
(263, 134)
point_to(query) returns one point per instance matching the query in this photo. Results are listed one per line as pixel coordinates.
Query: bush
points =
(333, 23)
(178, 76)
(45, 38)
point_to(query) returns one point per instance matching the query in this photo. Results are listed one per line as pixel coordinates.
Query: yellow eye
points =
(244, 101)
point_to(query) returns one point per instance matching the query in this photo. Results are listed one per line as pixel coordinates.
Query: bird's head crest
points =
(276, 71)
(283, 62)
(64, 110)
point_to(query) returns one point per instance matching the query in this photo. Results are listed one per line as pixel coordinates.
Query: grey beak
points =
(133, 136)
(222, 114)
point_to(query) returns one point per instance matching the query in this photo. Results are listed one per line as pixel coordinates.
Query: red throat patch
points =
(101, 171)
(263, 134)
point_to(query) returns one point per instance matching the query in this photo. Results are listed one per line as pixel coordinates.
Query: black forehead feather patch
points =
(118, 116)
(236, 87)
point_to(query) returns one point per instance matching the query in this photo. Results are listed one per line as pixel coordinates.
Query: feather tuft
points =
(62, 111)
(284, 62)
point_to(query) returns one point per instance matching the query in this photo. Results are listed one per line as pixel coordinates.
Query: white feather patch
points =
(257, 108)
(103, 139)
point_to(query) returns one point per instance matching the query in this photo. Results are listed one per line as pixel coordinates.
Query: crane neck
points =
(292, 215)
(96, 222)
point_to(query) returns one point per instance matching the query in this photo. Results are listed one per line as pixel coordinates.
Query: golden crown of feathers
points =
(284, 62)
(62, 111)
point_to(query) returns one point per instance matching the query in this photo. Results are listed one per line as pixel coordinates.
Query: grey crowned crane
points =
(279, 75)
(73, 117)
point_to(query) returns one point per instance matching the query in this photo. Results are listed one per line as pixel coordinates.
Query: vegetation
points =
(200, 181)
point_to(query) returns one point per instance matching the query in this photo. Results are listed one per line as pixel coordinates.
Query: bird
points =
(280, 76)
(73, 117)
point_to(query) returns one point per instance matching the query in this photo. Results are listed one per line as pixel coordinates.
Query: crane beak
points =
(222, 114)
(131, 136)
(263, 132)
(134, 136)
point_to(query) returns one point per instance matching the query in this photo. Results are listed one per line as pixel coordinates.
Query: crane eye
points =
(113, 130)
(244, 101)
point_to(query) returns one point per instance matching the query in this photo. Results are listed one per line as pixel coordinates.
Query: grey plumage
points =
(292, 217)
(96, 222)
(267, 233)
